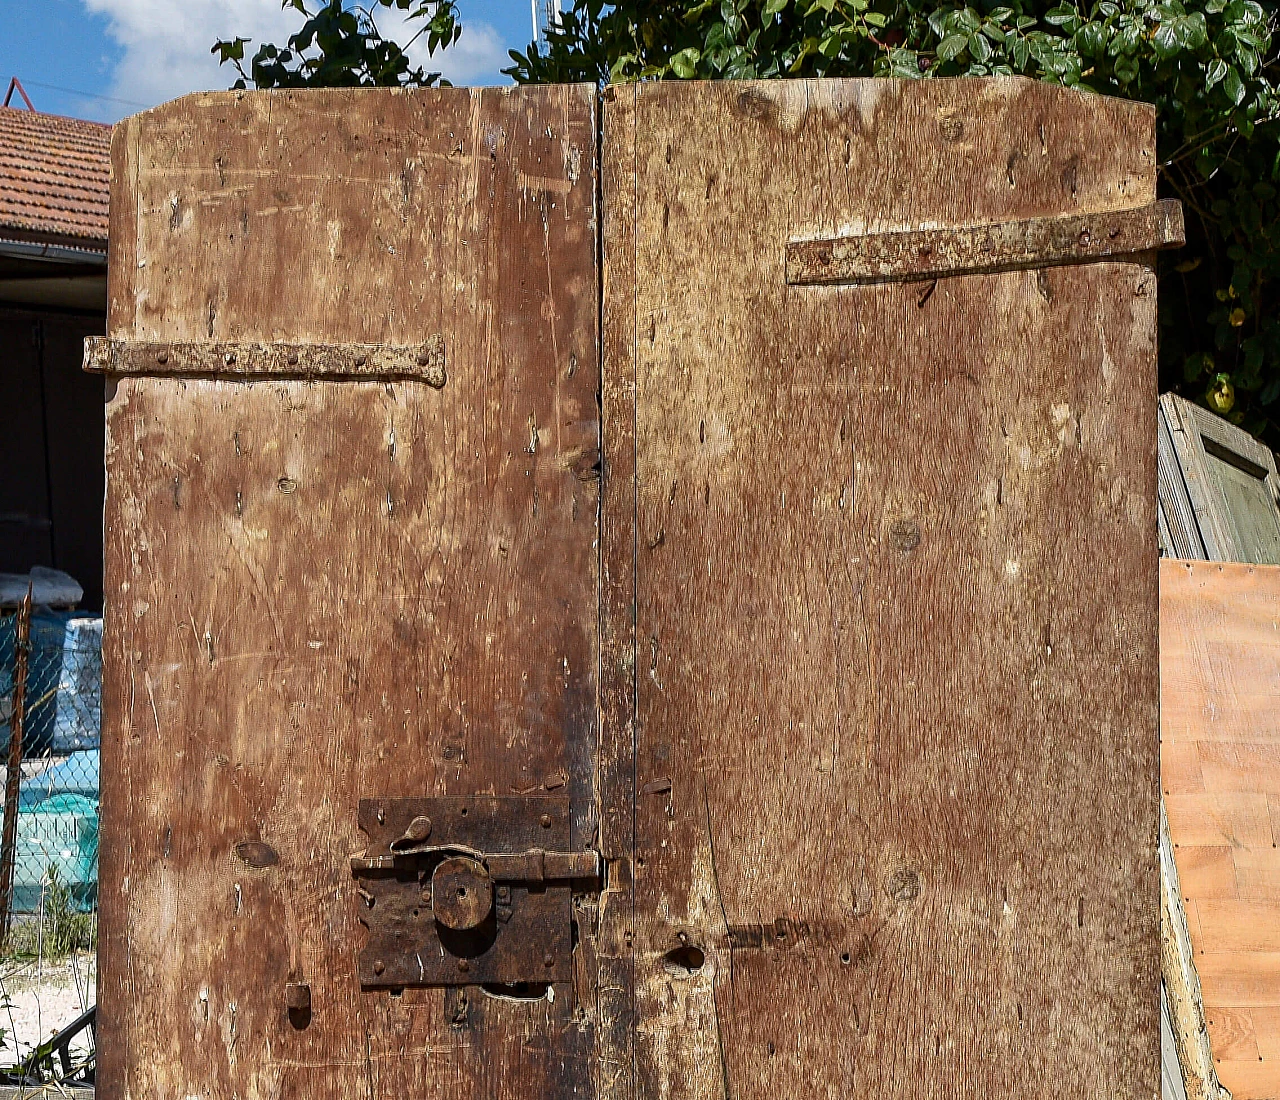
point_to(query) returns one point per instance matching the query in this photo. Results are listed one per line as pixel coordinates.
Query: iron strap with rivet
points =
(919, 255)
(422, 362)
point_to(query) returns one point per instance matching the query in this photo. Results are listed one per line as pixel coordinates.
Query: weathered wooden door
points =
(375, 582)
(805, 744)
(891, 546)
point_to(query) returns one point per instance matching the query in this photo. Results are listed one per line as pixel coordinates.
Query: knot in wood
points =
(903, 885)
(904, 535)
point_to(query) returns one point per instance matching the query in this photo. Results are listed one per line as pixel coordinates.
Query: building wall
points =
(51, 439)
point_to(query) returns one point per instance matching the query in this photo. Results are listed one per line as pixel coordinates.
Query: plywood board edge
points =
(1182, 982)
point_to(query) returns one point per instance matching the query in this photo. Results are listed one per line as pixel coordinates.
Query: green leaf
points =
(1233, 85)
(1165, 40)
(685, 63)
(232, 50)
(772, 7)
(951, 47)
(1091, 39)
(1060, 15)
(875, 19)
(979, 48)
(1192, 31)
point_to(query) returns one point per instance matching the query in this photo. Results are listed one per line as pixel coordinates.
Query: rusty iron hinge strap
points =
(925, 254)
(423, 362)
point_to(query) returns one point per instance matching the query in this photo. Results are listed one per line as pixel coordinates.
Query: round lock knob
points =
(461, 893)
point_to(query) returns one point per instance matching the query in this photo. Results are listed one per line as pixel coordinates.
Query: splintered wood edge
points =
(423, 362)
(917, 255)
(1182, 981)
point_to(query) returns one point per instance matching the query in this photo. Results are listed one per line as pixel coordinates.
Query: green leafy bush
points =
(1207, 65)
(342, 47)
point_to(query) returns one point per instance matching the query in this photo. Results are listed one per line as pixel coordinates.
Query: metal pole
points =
(13, 774)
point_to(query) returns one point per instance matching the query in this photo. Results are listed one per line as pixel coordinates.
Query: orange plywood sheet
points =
(1220, 772)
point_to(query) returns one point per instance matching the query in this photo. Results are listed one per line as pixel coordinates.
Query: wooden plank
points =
(1182, 1020)
(1233, 1034)
(1180, 768)
(1239, 766)
(1219, 665)
(1235, 925)
(424, 361)
(1248, 1079)
(1239, 820)
(896, 604)
(1266, 1028)
(1220, 653)
(1180, 531)
(326, 590)
(914, 255)
(55, 1090)
(1207, 872)
(615, 1052)
(1233, 978)
(1231, 481)
(1257, 872)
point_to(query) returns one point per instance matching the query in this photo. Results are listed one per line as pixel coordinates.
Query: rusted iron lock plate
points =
(456, 891)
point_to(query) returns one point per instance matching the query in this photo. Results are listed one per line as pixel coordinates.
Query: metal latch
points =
(462, 890)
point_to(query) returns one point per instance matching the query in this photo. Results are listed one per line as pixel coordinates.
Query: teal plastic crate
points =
(59, 832)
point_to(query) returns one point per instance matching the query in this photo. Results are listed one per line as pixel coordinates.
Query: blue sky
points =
(103, 59)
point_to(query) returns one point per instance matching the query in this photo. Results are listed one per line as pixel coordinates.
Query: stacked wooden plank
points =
(1220, 770)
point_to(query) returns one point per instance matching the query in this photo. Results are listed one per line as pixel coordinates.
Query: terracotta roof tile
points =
(54, 175)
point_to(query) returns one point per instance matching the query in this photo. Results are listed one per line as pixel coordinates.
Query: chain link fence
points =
(50, 691)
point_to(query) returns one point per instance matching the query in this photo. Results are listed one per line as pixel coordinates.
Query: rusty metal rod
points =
(13, 774)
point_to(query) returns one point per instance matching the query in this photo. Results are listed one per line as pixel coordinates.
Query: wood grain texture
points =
(322, 591)
(1220, 679)
(1207, 872)
(896, 755)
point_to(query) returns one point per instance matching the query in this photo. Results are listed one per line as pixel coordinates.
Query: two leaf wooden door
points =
(568, 634)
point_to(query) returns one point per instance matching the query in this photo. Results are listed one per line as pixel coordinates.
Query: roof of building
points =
(54, 177)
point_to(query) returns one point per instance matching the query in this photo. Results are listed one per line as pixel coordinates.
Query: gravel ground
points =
(42, 1000)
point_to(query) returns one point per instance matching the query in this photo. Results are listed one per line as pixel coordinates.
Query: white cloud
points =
(166, 44)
